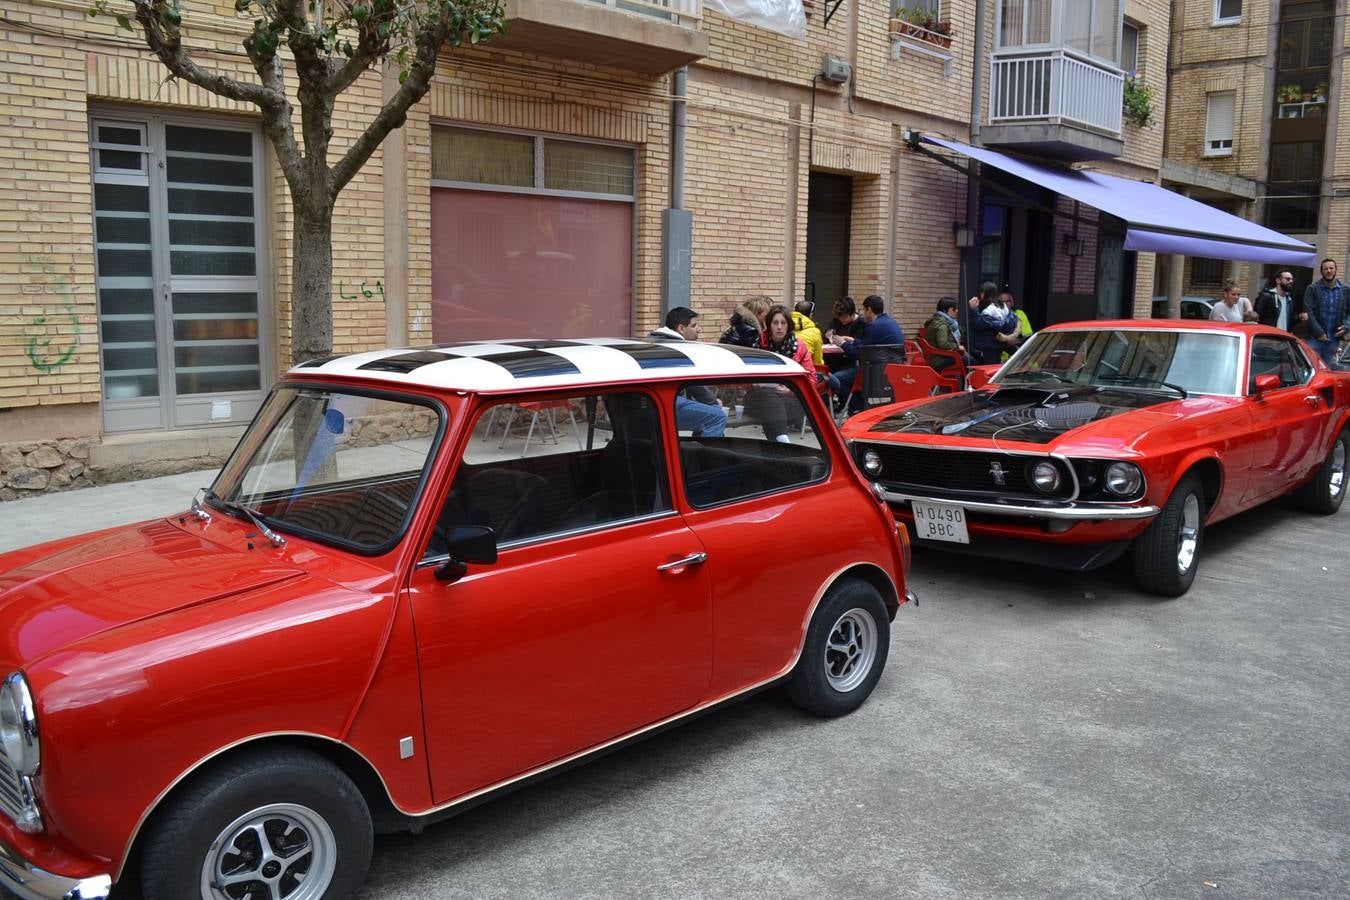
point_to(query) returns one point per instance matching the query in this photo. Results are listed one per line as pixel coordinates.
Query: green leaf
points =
(403, 76)
(124, 21)
(173, 16)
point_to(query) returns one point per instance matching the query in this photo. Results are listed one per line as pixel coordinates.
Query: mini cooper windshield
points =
(1176, 362)
(338, 466)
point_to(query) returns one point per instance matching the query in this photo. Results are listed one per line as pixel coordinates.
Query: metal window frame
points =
(168, 405)
(540, 191)
(1220, 19)
(540, 141)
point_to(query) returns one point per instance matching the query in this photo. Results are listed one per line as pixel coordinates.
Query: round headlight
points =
(1124, 479)
(872, 462)
(18, 726)
(1045, 477)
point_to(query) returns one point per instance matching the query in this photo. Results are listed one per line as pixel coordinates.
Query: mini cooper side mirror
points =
(467, 544)
(1263, 383)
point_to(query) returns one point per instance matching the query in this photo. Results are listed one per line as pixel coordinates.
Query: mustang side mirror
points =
(1263, 383)
(467, 544)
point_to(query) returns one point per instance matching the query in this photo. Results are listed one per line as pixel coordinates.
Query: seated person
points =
(944, 333)
(696, 408)
(880, 329)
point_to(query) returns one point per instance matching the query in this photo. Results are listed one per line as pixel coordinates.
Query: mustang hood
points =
(1034, 415)
(118, 577)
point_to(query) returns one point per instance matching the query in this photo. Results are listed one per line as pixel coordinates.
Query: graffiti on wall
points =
(48, 352)
(363, 291)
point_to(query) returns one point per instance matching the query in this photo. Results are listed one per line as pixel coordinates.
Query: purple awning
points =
(1156, 219)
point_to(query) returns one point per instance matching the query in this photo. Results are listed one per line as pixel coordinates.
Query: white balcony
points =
(680, 11)
(647, 36)
(1055, 102)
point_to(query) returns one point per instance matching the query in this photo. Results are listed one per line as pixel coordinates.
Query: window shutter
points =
(1219, 124)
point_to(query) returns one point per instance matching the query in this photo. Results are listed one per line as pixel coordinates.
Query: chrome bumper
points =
(1081, 512)
(32, 883)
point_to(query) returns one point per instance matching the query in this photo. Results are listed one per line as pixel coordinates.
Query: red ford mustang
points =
(1099, 438)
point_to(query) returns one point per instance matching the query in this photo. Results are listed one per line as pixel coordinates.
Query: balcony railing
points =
(680, 11)
(1056, 85)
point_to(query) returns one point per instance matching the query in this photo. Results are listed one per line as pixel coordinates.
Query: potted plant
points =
(1137, 101)
(1320, 92)
(920, 23)
(1289, 93)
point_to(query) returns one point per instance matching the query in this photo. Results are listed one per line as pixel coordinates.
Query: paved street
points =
(1035, 734)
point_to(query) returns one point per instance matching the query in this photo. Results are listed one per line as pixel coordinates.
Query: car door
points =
(1285, 420)
(777, 519)
(595, 619)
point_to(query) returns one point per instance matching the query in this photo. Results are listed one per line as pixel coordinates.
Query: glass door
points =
(181, 317)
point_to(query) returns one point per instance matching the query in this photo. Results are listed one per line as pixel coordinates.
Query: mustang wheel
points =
(844, 652)
(1325, 492)
(1168, 553)
(275, 825)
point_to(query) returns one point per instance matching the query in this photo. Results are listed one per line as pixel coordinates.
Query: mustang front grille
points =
(945, 471)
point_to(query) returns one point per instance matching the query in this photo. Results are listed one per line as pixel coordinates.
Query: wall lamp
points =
(1073, 246)
(963, 235)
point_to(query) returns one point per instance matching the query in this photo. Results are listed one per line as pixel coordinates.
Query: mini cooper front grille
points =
(945, 471)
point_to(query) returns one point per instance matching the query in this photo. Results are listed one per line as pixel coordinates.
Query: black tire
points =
(1167, 555)
(1326, 491)
(208, 827)
(844, 652)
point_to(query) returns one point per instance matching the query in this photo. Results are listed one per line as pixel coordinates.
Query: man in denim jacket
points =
(1326, 304)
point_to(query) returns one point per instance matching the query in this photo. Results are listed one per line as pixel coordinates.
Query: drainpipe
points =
(970, 265)
(677, 223)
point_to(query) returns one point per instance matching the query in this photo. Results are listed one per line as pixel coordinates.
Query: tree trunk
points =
(312, 284)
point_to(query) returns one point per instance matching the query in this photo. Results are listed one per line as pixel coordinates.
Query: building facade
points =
(147, 228)
(1258, 104)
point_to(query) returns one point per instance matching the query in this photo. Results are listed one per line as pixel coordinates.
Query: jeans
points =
(1327, 349)
(846, 377)
(703, 419)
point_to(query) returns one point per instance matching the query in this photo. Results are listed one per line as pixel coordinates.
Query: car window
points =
(336, 465)
(768, 443)
(1199, 362)
(535, 468)
(1278, 356)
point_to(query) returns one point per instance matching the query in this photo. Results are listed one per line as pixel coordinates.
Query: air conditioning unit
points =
(836, 70)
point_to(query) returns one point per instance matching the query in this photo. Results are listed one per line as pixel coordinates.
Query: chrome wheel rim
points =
(850, 650)
(1336, 481)
(1188, 536)
(281, 851)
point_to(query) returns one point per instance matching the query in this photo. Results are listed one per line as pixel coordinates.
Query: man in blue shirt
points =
(880, 329)
(1326, 307)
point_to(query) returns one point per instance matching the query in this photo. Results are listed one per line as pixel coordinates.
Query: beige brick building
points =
(1256, 104)
(146, 227)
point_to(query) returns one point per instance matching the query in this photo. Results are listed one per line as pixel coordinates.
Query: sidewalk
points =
(50, 516)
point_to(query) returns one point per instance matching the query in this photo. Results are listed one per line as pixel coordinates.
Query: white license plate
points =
(940, 522)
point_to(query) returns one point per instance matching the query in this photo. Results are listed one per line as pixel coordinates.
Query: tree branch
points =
(165, 40)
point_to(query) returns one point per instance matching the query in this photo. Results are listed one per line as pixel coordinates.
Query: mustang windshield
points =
(1181, 362)
(337, 466)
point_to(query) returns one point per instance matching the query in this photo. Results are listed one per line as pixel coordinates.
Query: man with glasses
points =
(1273, 303)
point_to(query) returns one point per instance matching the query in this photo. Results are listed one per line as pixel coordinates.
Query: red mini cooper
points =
(424, 577)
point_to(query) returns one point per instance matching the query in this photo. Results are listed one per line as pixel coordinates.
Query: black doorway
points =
(829, 214)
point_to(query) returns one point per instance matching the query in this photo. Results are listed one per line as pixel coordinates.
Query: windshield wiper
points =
(240, 510)
(1135, 379)
(1034, 372)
